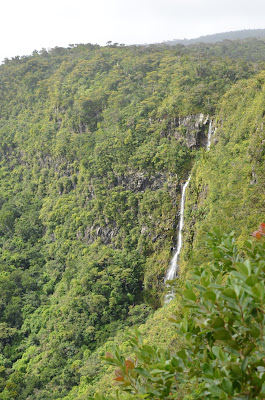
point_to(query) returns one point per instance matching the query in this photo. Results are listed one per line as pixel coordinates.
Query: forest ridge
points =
(95, 145)
(219, 37)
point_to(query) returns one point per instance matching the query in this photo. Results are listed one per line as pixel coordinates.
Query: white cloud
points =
(28, 25)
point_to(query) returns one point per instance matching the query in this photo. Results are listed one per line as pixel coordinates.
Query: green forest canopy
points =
(94, 149)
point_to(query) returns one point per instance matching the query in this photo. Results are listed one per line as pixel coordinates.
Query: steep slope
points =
(227, 189)
(95, 143)
(226, 192)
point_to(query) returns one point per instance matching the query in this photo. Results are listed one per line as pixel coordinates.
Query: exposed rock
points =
(144, 229)
(134, 181)
(193, 129)
(105, 233)
(253, 181)
(140, 181)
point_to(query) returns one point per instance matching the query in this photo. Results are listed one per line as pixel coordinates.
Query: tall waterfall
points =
(173, 267)
(209, 136)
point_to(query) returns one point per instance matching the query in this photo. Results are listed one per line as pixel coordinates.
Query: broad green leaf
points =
(188, 285)
(230, 293)
(258, 290)
(207, 370)
(248, 244)
(252, 280)
(177, 363)
(210, 295)
(235, 368)
(143, 372)
(244, 364)
(218, 323)
(242, 268)
(222, 334)
(216, 351)
(182, 354)
(227, 386)
(189, 294)
(215, 390)
(157, 371)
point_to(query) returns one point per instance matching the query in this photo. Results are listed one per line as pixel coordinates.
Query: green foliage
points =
(221, 329)
(227, 189)
(227, 37)
(92, 158)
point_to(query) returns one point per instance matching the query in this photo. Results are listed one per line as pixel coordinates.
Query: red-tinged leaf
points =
(119, 373)
(108, 355)
(262, 227)
(256, 235)
(119, 378)
(129, 364)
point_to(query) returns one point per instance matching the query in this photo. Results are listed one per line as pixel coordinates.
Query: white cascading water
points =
(173, 267)
(209, 136)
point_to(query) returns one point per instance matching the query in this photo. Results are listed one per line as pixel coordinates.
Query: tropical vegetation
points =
(95, 145)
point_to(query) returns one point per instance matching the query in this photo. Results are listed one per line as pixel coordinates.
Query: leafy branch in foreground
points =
(221, 331)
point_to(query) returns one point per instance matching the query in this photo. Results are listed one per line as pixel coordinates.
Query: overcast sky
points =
(26, 25)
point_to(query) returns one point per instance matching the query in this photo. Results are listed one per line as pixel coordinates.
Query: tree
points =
(221, 329)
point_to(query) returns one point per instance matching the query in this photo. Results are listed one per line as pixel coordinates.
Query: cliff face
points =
(139, 185)
(191, 130)
(226, 190)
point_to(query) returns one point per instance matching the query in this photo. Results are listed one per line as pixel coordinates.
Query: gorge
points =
(97, 144)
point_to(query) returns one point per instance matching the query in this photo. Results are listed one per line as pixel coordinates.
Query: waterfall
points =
(173, 267)
(209, 136)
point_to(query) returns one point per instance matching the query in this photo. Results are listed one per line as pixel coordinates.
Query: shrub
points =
(221, 329)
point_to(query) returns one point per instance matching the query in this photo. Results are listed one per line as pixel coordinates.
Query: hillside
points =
(95, 145)
(226, 192)
(218, 37)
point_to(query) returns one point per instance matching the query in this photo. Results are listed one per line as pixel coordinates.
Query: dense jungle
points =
(96, 144)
